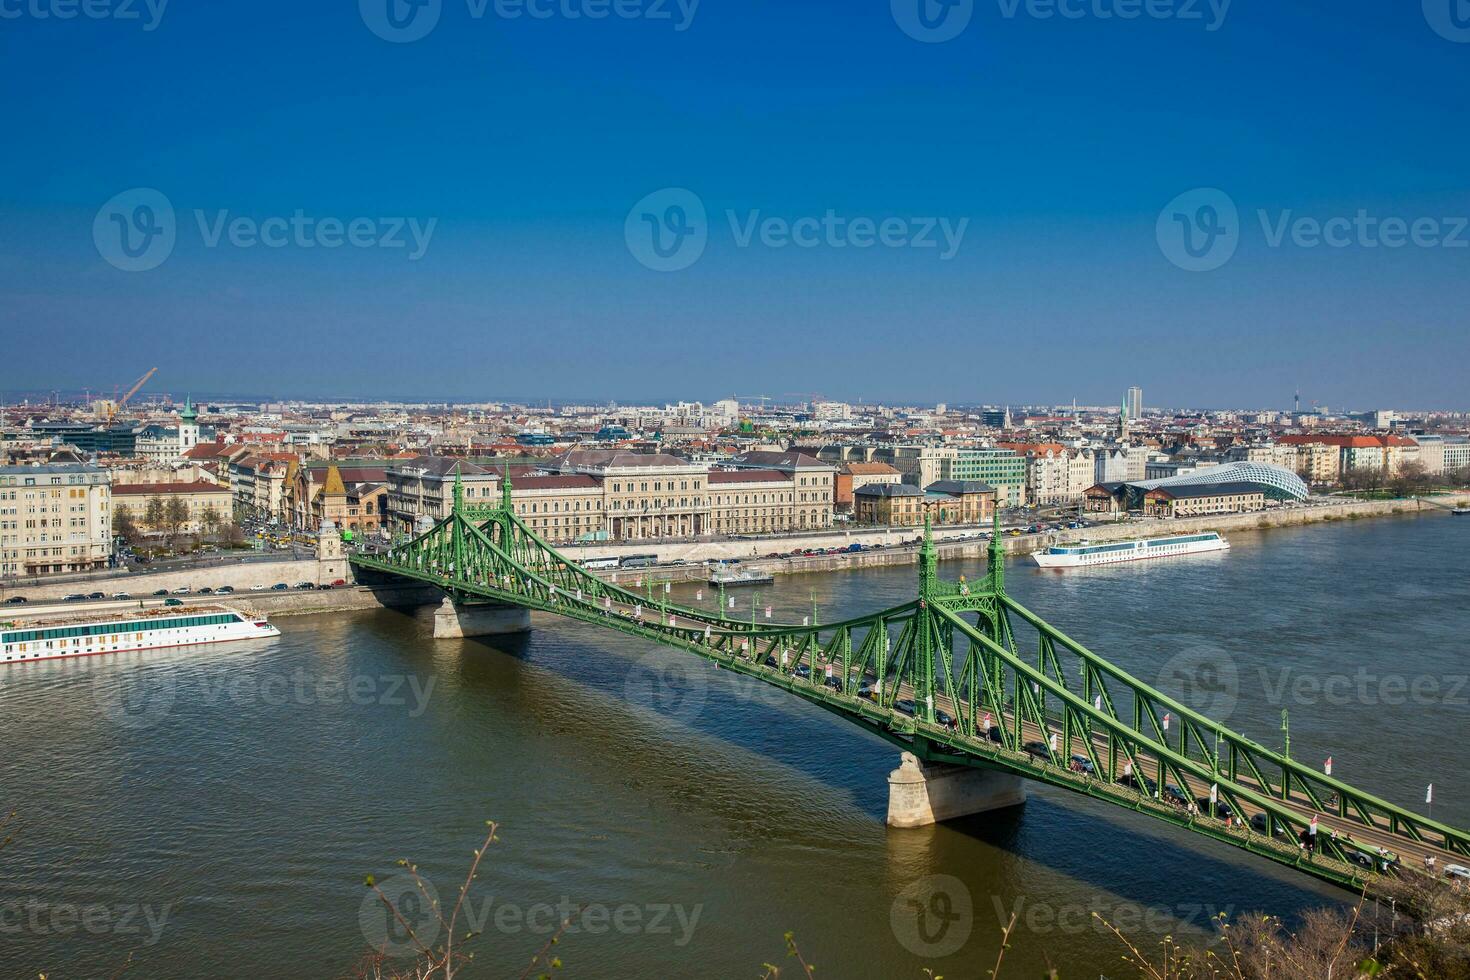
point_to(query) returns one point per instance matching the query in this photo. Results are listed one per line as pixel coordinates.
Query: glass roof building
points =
(1278, 482)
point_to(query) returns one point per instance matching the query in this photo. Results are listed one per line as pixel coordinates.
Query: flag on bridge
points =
(1166, 721)
(1097, 702)
(1053, 741)
(1127, 768)
(1312, 827)
(699, 595)
(732, 602)
(829, 672)
(1214, 793)
(1429, 794)
(1327, 766)
(985, 722)
(768, 612)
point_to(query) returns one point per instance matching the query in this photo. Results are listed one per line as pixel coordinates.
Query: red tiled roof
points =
(569, 482)
(147, 489)
(748, 476)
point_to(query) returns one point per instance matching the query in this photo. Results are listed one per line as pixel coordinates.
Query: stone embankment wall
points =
(899, 549)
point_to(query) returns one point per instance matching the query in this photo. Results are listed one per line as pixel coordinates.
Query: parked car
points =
(225, 590)
(1038, 750)
(1175, 796)
(206, 591)
(96, 595)
(905, 705)
(279, 587)
(74, 597)
(121, 595)
(1081, 763)
(16, 600)
(304, 585)
(340, 581)
(182, 590)
(1457, 871)
(995, 736)
(160, 593)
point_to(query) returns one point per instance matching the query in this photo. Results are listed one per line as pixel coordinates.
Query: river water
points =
(213, 811)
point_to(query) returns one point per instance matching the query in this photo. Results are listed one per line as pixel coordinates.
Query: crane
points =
(115, 407)
(763, 398)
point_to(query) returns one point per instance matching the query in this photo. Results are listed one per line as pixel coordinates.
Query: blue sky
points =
(527, 141)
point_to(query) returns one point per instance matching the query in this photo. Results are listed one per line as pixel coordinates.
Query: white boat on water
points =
(731, 579)
(1084, 554)
(153, 629)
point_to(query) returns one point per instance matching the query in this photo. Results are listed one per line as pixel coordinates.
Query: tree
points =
(176, 515)
(211, 520)
(123, 525)
(1410, 477)
(154, 514)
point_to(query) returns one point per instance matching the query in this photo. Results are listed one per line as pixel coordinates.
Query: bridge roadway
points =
(1411, 853)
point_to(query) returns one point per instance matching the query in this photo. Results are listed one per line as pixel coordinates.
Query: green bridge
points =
(944, 678)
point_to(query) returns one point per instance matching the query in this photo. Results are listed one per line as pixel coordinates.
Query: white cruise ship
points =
(1084, 554)
(150, 630)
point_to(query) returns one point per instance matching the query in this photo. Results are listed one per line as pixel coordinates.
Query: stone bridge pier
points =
(452, 622)
(922, 793)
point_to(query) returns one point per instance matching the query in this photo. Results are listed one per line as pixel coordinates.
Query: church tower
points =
(188, 427)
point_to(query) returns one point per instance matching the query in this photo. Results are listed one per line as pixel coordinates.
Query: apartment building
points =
(54, 518)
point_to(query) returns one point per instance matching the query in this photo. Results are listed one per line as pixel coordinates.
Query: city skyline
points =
(1030, 253)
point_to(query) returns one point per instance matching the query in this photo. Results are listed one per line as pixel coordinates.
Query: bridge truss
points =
(964, 674)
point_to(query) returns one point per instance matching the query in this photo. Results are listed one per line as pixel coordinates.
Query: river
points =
(213, 811)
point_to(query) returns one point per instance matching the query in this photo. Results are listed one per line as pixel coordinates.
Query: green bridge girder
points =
(944, 676)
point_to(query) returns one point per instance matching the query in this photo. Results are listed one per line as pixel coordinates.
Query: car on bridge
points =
(1219, 809)
(905, 705)
(1141, 783)
(1458, 872)
(994, 734)
(1175, 796)
(1038, 750)
(1082, 764)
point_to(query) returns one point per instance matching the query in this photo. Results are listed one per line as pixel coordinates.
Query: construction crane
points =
(114, 407)
(763, 398)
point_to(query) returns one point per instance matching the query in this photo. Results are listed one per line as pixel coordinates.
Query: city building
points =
(201, 506)
(1134, 402)
(852, 477)
(1203, 500)
(54, 518)
(889, 505)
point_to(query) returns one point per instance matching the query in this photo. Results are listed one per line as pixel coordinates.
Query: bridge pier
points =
(923, 793)
(453, 622)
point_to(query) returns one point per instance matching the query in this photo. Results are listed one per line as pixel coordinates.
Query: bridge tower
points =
(464, 618)
(921, 791)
